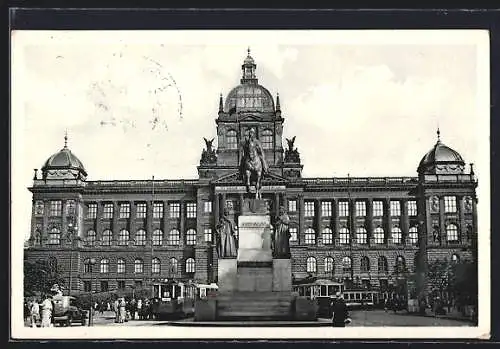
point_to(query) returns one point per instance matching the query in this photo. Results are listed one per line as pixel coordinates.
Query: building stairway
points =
(254, 306)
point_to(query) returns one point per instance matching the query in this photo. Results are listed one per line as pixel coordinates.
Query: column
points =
(442, 228)
(97, 220)
(276, 203)
(369, 220)
(352, 222)
(241, 203)
(317, 208)
(405, 223)
(387, 221)
(149, 223)
(199, 217)
(131, 221)
(301, 218)
(182, 215)
(216, 210)
(165, 226)
(45, 228)
(461, 220)
(64, 224)
(114, 221)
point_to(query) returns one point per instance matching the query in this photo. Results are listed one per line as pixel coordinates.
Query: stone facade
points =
(406, 220)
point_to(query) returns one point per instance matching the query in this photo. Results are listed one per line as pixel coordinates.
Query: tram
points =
(323, 291)
(173, 299)
(364, 299)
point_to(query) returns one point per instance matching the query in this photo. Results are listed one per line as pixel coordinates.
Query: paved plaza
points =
(359, 318)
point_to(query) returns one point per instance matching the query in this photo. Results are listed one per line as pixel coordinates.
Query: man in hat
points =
(340, 312)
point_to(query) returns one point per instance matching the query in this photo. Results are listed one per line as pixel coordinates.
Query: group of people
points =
(340, 313)
(40, 311)
(126, 310)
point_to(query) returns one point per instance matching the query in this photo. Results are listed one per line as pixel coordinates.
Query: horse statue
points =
(253, 163)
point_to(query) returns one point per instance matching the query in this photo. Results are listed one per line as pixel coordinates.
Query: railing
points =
(361, 180)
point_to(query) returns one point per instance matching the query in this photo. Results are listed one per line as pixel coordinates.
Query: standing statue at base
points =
(281, 236)
(226, 236)
(253, 163)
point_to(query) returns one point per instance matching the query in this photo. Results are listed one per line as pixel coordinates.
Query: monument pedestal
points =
(282, 275)
(227, 275)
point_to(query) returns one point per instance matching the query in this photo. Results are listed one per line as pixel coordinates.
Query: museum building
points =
(368, 230)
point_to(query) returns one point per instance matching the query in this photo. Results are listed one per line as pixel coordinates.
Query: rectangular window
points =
(138, 284)
(378, 209)
(70, 207)
(207, 233)
(55, 208)
(450, 204)
(292, 205)
(92, 211)
(293, 234)
(191, 210)
(125, 210)
(141, 210)
(108, 211)
(360, 208)
(309, 209)
(395, 209)
(39, 206)
(174, 210)
(412, 208)
(104, 286)
(86, 286)
(121, 284)
(158, 210)
(207, 206)
(326, 208)
(343, 209)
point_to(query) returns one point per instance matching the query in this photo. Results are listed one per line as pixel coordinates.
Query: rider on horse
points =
(253, 161)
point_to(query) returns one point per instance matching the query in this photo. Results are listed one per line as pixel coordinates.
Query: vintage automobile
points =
(67, 311)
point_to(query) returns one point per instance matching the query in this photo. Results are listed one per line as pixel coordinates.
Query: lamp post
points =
(72, 230)
(92, 262)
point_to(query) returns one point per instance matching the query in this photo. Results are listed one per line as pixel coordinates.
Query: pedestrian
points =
(386, 304)
(116, 309)
(108, 306)
(340, 313)
(35, 313)
(139, 308)
(123, 314)
(46, 311)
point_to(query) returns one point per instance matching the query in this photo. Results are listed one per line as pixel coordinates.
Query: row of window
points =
(173, 264)
(382, 265)
(265, 138)
(361, 236)
(55, 207)
(174, 210)
(173, 237)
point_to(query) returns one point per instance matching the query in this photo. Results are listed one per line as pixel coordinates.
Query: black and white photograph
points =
(250, 184)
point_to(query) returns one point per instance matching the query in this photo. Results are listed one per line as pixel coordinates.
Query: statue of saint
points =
(281, 236)
(226, 237)
(253, 163)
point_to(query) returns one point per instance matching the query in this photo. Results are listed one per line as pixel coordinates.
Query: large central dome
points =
(249, 95)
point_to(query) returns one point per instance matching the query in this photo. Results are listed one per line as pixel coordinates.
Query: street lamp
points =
(92, 262)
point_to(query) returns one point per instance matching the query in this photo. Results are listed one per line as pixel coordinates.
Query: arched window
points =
(123, 237)
(327, 236)
(379, 235)
(157, 237)
(455, 258)
(155, 266)
(396, 235)
(346, 264)
(107, 236)
(361, 235)
(140, 237)
(365, 264)
(86, 266)
(452, 233)
(329, 265)
(400, 266)
(138, 266)
(54, 236)
(413, 235)
(231, 139)
(120, 266)
(104, 265)
(190, 265)
(191, 237)
(310, 236)
(382, 265)
(174, 237)
(91, 237)
(311, 265)
(344, 236)
(173, 266)
(267, 139)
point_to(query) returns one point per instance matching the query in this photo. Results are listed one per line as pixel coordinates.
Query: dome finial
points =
(220, 103)
(248, 50)
(278, 106)
(66, 138)
(438, 134)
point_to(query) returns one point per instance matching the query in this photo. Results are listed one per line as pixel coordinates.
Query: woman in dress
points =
(46, 311)
(226, 236)
(281, 244)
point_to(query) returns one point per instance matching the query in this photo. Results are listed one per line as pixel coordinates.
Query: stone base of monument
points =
(227, 275)
(282, 275)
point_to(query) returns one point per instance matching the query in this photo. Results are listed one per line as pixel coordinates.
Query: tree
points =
(40, 276)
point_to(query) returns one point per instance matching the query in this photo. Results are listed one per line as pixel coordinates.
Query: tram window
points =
(331, 291)
(358, 295)
(156, 291)
(323, 291)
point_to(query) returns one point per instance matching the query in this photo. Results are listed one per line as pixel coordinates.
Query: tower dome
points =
(441, 159)
(64, 165)
(249, 95)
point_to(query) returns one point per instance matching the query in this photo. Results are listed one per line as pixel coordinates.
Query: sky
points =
(138, 104)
